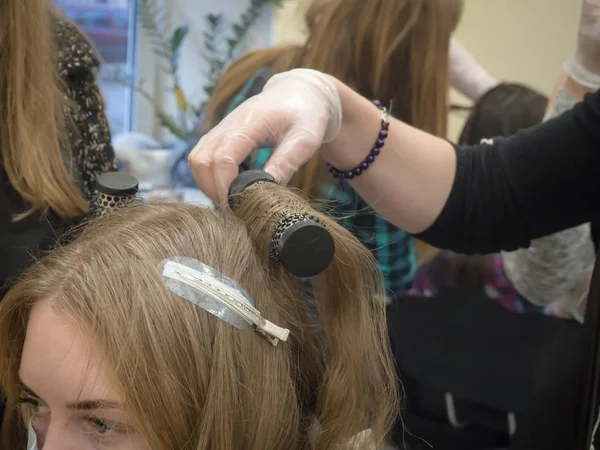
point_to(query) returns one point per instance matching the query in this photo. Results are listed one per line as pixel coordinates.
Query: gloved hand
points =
(296, 112)
(585, 66)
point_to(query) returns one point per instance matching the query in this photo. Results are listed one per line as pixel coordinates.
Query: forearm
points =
(466, 75)
(479, 199)
(573, 93)
(410, 180)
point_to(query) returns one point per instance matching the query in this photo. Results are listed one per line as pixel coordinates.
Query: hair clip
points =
(113, 190)
(299, 242)
(212, 291)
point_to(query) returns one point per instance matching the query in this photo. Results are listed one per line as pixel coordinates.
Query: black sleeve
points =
(540, 181)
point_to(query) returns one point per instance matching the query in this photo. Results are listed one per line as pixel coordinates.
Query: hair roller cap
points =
(113, 190)
(299, 243)
(305, 248)
(246, 179)
(117, 184)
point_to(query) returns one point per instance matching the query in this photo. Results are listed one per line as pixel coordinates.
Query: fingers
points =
(297, 131)
(215, 160)
(292, 153)
(201, 164)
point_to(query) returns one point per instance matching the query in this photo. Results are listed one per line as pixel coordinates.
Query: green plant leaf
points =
(178, 37)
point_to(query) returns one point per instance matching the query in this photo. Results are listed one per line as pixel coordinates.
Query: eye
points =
(102, 427)
(37, 407)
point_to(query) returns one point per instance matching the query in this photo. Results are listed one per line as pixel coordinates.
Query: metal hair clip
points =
(219, 295)
(299, 242)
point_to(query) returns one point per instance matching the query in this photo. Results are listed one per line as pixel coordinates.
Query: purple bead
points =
(383, 134)
(364, 165)
(331, 169)
(377, 103)
(357, 171)
(328, 164)
(379, 143)
(335, 174)
(349, 175)
(375, 151)
(370, 159)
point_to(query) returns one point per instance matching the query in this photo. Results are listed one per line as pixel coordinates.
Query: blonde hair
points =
(190, 380)
(390, 50)
(32, 107)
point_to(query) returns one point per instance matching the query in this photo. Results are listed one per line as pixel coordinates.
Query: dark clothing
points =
(541, 181)
(92, 154)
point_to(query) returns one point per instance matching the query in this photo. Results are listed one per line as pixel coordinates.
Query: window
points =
(111, 26)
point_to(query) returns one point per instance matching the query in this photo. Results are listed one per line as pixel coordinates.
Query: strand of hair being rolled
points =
(292, 237)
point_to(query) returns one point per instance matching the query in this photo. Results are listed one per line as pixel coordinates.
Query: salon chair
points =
(479, 377)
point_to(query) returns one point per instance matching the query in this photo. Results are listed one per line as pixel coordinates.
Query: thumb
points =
(289, 156)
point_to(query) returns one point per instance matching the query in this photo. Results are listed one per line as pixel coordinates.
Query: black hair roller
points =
(113, 190)
(299, 242)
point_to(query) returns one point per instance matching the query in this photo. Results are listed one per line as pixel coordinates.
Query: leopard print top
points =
(89, 133)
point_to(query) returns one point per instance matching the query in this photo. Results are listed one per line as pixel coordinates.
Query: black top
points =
(92, 154)
(541, 181)
(506, 193)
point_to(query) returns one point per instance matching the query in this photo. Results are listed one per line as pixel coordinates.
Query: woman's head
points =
(32, 143)
(182, 378)
(503, 111)
(395, 51)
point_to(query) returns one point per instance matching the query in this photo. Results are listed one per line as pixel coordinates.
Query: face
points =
(66, 386)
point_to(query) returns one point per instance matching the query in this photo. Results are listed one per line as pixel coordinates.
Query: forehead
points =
(60, 362)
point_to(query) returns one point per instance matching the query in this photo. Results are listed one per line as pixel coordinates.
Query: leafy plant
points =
(221, 40)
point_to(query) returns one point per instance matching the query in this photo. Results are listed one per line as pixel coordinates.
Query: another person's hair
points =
(333, 378)
(502, 111)
(395, 51)
(33, 149)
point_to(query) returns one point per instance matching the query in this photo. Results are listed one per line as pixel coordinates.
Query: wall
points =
(516, 40)
(524, 41)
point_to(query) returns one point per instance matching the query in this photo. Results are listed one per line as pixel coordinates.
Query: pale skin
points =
(66, 385)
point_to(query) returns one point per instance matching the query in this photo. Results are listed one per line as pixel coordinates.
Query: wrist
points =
(581, 76)
(361, 123)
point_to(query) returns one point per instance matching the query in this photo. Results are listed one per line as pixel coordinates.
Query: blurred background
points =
(115, 28)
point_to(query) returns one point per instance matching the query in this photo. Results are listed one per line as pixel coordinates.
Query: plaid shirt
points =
(393, 248)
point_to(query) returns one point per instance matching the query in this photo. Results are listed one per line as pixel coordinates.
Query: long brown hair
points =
(33, 150)
(391, 50)
(191, 381)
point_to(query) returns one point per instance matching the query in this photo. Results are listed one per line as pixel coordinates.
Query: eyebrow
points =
(82, 405)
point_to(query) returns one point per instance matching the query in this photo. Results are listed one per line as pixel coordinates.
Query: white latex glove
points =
(296, 112)
(466, 75)
(585, 67)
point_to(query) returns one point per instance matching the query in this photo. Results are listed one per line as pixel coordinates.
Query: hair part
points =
(215, 386)
(33, 147)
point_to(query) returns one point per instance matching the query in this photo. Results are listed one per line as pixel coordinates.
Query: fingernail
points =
(277, 176)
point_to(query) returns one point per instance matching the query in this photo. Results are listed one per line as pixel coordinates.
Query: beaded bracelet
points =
(349, 174)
